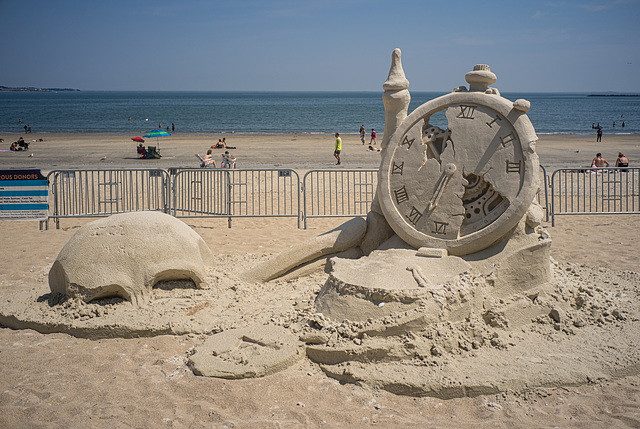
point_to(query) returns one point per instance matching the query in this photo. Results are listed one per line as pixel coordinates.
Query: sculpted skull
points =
(126, 254)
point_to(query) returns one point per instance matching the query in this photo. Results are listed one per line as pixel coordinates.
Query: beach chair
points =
(206, 163)
(228, 161)
(153, 153)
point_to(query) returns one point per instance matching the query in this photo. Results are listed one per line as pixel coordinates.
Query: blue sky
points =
(323, 45)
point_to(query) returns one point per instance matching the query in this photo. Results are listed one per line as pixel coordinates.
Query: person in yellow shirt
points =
(336, 152)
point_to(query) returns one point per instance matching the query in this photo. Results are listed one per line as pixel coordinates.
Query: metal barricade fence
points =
(232, 193)
(103, 192)
(204, 192)
(595, 191)
(338, 193)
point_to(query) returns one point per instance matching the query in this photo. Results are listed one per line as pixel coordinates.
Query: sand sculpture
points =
(466, 190)
(451, 202)
(446, 289)
(125, 255)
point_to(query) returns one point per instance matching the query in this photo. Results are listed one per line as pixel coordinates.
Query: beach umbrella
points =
(137, 139)
(156, 134)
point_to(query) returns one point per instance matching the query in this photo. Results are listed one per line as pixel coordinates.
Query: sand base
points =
(455, 341)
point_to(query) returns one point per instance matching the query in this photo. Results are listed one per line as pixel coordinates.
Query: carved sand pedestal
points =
(397, 296)
(386, 282)
(397, 280)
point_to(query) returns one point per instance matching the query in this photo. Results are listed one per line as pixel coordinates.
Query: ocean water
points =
(135, 113)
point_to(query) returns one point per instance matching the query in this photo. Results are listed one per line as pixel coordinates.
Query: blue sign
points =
(24, 195)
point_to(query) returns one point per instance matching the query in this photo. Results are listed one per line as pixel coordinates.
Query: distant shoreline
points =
(34, 89)
(613, 95)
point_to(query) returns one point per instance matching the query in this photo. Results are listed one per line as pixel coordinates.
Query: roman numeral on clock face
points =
(401, 195)
(466, 111)
(397, 169)
(514, 167)
(414, 216)
(497, 118)
(508, 138)
(440, 227)
(407, 142)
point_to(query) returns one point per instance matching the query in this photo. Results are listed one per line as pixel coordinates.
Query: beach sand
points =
(297, 151)
(56, 380)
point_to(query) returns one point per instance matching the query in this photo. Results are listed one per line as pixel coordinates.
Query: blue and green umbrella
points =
(156, 134)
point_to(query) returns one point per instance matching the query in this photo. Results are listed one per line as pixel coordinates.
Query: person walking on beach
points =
(338, 149)
(599, 135)
(362, 133)
(373, 136)
(173, 127)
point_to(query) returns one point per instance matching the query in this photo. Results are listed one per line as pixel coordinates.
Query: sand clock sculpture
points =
(464, 186)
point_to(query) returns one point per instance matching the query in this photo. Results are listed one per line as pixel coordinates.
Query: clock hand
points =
(434, 150)
(449, 170)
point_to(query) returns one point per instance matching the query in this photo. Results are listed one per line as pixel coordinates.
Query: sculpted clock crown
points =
(480, 78)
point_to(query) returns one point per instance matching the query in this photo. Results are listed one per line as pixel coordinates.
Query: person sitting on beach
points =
(622, 161)
(219, 145)
(142, 151)
(22, 145)
(208, 160)
(599, 161)
(228, 160)
(374, 149)
(14, 146)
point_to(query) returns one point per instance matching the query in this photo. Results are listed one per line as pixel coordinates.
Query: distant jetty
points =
(613, 95)
(33, 89)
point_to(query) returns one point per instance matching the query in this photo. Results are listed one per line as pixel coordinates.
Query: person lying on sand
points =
(374, 149)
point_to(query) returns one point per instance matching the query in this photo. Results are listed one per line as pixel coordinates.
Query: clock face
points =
(464, 186)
